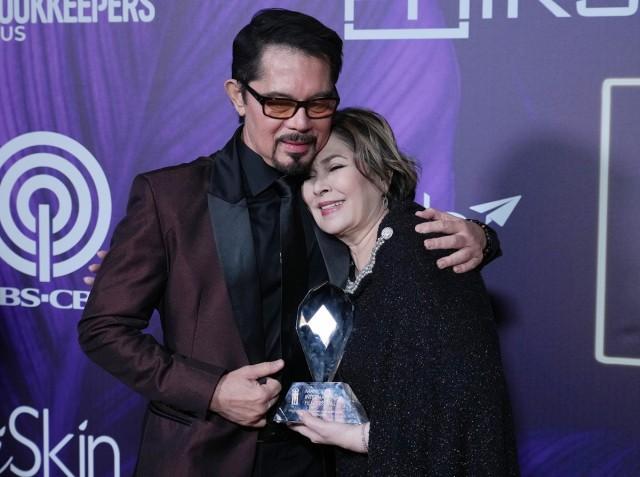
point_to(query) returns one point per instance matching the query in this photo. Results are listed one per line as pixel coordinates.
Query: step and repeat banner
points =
(523, 114)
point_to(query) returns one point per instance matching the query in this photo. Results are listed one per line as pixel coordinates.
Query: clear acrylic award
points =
(323, 325)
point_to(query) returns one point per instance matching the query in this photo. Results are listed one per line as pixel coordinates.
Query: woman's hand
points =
(353, 437)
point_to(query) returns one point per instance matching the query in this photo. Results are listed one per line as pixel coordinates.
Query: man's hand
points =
(319, 431)
(94, 267)
(466, 237)
(240, 398)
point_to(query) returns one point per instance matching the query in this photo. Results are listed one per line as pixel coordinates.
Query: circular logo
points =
(56, 238)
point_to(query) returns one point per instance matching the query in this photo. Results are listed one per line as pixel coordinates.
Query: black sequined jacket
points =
(424, 360)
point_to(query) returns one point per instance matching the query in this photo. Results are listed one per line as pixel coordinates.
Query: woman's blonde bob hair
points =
(376, 152)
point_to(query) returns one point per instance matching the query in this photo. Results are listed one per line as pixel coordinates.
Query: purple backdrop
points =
(509, 98)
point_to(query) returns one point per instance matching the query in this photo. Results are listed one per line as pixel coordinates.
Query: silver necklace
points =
(352, 286)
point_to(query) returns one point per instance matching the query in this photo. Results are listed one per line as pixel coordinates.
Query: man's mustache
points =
(298, 137)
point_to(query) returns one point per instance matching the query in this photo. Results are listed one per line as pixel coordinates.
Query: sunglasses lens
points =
(321, 108)
(279, 108)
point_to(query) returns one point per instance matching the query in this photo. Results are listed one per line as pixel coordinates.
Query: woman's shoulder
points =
(403, 253)
(402, 220)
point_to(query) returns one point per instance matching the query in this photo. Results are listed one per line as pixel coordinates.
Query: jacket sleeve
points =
(129, 286)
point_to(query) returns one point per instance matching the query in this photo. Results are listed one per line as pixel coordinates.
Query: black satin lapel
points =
(317, 269)
(234, 244)
(335, 255)
(309, 230)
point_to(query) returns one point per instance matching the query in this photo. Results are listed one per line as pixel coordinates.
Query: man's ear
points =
(232, 88)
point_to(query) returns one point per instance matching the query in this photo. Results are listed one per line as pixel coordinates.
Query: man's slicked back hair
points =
(280, 27)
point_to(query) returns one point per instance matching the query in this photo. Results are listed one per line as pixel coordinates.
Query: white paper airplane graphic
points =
(426, 200)
(500, 209)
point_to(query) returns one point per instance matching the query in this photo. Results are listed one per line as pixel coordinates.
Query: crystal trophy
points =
(324, 323)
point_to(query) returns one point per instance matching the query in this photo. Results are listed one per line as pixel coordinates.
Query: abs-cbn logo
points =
(56, 211)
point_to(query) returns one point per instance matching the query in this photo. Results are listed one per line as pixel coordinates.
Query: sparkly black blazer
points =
(424, 360)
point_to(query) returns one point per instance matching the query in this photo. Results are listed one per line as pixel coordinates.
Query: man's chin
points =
(294, 165)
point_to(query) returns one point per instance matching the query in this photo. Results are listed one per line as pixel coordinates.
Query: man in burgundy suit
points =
(223, 250)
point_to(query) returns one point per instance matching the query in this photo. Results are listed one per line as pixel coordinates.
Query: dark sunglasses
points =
(284, 108)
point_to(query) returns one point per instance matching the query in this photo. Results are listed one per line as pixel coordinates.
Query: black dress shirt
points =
(263, 202)
(277, 442)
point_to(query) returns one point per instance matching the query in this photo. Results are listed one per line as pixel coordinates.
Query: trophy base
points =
(334, 402)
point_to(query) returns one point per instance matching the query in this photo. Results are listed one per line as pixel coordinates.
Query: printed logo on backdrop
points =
(17, 16)
(90, 452)
(610, 346)
(56, 208)
(411, 29)
(496, 211)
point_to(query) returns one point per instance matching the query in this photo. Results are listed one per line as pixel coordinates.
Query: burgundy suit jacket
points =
(185, 248)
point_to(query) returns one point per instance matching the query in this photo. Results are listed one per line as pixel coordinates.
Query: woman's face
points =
(342, 201)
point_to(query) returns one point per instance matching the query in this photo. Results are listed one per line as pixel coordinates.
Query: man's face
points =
(288, 145)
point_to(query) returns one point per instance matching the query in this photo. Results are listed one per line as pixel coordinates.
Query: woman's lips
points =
(329, 207)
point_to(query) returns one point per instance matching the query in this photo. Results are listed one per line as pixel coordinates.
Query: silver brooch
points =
(352, 286)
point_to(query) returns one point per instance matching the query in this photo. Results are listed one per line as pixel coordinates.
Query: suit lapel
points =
(334, 253)
(234, 243)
